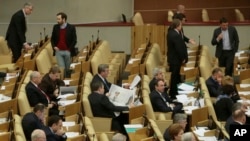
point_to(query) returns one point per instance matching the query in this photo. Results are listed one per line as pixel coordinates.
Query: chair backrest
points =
(23, 103)
(197, 116)
(3, 46)
(87, 106)
(18, 129)
(170, 15)
(43, 62)
(137, 19)
(204, 14)
(239, 16)
(90, 129)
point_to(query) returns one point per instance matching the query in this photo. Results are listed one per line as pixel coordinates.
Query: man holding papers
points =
(161, 101)
(102, 107)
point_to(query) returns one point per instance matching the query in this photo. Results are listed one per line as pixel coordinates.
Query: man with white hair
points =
(15, 35)
(157, 74)
(38, 135)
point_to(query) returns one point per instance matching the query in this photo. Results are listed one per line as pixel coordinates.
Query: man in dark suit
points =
(54, 130)
(15, 35)
(36, 95)
(176, 54)
(63, 41)
(103, 72)
(157, 74)
(226, 40)
(102, 107)
(161, 102)
(239, 118)
(33, 120)
(214, 82)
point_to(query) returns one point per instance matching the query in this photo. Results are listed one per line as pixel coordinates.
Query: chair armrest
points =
(105, 122)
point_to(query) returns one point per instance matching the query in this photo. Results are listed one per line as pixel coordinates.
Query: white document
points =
(186, 87)
(244, 85)
(66, 102)
(136, 80)
(64, 96)
(120, 96)
(68, 123)
(66, 82)
(244, 92)
(211, 138)
(72, 134)
(185, 92)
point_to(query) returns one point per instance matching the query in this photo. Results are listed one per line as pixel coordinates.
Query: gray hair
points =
(188, 136)
(102, 67)
(179, 117)
(36, 134)
(34, 74)
(27, 4)
(156, 71)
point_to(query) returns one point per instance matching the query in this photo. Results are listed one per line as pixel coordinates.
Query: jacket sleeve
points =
(106, 103)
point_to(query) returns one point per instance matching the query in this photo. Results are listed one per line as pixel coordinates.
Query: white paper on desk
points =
(72, 134)
(244, 92)
(135, 81)
(66, 102)
(120, 95)
(4, 98)
(238, 53)
(210, 138)
(3, 120)
(64, 96)
(68, 123)
(132, 60)
(244, 85)
(66, 82)
(185, 92)
(188, 68)
(188, 109)
(183, 99)
(72, 65)
(190, 51)
(186, 87)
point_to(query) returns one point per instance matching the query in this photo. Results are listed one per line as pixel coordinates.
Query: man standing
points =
(63, 41)
(15, 35)
(176, 54)
(227, 42)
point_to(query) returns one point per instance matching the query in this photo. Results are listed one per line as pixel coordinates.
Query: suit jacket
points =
(159, 104)
(34, 95)
(106, 84)
(48, 86)
(50, 136)
(213, 87)
(16, 30)
(223, 108)
(71, 38)
(30, 122)
(177, 49)
(102, 107)
(233, 37)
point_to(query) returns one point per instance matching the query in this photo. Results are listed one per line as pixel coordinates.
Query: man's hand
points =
(192, 41)
(219, 37)
(56, 48)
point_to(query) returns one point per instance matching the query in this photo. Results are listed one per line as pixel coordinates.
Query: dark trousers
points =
(175, 79)
(16, 51)
(226, 60)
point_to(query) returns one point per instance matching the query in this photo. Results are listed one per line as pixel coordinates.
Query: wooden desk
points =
(138, 134)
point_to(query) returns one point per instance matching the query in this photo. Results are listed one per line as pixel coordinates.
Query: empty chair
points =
(137, 19)
(204, 14)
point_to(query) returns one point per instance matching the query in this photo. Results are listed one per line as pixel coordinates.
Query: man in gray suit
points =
(226, 40)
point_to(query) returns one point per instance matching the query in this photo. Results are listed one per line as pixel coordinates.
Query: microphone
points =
(149, 38)
(44, 34)
(199, 37)
(97, 39)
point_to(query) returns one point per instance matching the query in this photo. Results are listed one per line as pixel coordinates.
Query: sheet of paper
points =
(68, 123)
(66, 102)
(186, 87)
(136, 80)
(72, 134)
(120, 96)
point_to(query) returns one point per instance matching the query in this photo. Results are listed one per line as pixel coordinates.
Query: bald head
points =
(181, 9)
(38, 135)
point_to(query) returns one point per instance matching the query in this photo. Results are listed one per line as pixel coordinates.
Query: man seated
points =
(54, 131)
(103, 72)
(102, 107)
(161, 101)
(33, 120)
(180, 118)
(36, 95)
(38, 135)
(214, 82)
(51, 83)
(157, 74)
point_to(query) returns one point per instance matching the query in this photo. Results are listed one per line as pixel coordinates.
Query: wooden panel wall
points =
(155, 11)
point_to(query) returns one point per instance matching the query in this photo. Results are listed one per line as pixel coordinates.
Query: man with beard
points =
(63, 41)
